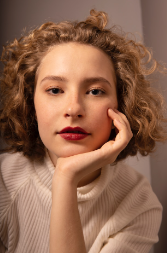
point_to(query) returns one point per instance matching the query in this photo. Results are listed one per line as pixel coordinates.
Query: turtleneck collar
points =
(95, 188)
(84, 193)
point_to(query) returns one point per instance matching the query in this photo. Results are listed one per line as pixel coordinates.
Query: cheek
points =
(45, 123)
(44, 111)
(101, 126)
(100, 118)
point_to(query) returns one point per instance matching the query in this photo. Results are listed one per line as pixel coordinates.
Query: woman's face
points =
(75, 88)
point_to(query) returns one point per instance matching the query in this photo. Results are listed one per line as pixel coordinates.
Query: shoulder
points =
(15, 169)
(132, 190)
(128, 178)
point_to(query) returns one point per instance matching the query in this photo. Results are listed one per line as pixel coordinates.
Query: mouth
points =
(73, 133)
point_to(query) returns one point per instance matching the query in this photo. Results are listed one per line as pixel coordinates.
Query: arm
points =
(65, 229)
(66, 233)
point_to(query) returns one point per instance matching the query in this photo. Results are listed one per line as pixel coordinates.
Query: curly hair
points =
(132, 62)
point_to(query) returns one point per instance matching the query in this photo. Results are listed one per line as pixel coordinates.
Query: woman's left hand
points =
(74, 168)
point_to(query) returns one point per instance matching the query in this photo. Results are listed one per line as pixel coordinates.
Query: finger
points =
(117, 118)
(123, 133)
(124, 118)
(115, 114)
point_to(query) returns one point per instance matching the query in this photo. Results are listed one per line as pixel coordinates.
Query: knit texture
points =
(119, 211)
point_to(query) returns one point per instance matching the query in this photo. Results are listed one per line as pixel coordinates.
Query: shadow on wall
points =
(154, 27)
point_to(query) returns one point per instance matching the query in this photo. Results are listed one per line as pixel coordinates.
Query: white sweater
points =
(119, 211)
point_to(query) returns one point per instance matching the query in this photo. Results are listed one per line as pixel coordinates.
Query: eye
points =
(55, 91)
(96, 92)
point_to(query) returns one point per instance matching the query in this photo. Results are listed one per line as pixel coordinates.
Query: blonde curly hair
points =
(137, 100)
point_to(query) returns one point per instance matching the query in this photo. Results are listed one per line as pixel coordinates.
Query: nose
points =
(74, 108)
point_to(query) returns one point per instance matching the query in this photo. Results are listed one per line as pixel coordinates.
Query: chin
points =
(72, 152)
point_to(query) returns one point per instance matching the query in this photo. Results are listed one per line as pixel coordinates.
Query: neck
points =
(89, 178)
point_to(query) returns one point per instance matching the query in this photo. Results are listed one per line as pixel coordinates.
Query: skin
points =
(78, 100)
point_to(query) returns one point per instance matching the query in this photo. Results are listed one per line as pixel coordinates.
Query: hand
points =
(74, 168)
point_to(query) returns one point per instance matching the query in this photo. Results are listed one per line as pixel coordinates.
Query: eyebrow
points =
(54, 78)
(90, 80)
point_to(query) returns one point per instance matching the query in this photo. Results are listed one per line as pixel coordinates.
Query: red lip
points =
(73, 133)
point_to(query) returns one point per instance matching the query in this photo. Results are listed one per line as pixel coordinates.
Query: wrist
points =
(61, 182)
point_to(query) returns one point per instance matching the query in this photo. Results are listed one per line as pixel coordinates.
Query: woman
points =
(75, 104)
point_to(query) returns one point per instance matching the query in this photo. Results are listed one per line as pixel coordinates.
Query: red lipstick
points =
(73, 133)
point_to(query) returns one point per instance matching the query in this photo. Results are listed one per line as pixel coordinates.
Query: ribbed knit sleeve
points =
(11, 179)
(119, 211)
(25, 204)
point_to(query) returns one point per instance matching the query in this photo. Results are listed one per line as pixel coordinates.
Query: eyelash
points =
(97, 89)
(56, 88)
(61, 91)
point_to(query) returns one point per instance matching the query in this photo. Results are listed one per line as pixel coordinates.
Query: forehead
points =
(76, 59)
